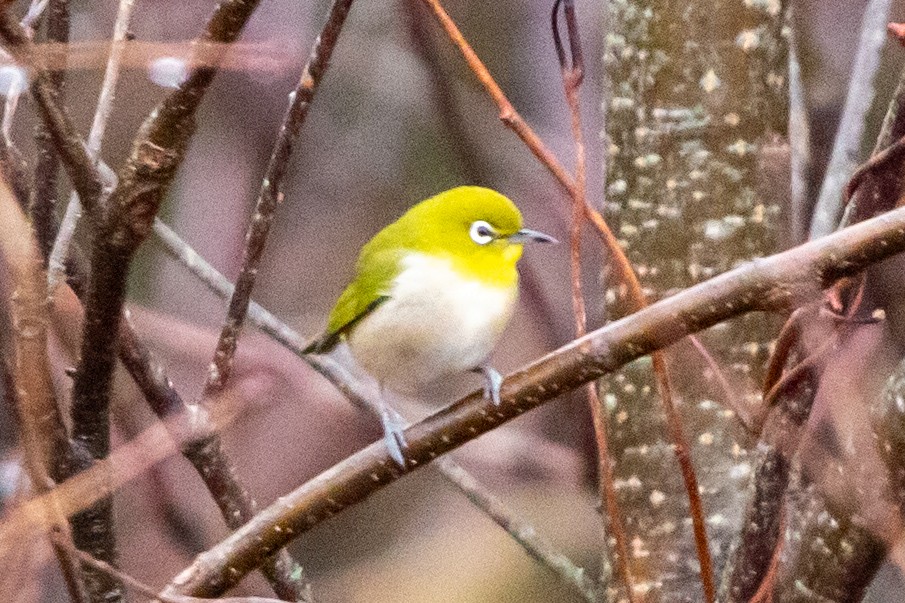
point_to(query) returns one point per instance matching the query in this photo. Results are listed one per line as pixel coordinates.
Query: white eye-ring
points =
(481, 232)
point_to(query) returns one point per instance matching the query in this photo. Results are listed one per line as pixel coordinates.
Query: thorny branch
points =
(777, 282)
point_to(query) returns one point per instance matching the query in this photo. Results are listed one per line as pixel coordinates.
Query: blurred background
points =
(397, 119)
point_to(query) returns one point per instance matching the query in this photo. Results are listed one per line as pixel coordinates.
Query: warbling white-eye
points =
(431, 295)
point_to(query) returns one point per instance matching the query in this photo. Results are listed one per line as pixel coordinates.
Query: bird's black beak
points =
(526, 235)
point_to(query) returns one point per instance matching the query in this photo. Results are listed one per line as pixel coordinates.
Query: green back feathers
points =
(439, 226)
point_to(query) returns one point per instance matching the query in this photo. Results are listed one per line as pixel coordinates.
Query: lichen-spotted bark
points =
(698, 169)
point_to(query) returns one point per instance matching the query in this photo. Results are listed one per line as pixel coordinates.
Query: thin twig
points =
(847, 146)
(572, 76)
(43, 203)
(770, 284)
(357, 393)
(57, 262)
(270, 195)
(193, 428)
(140, 587)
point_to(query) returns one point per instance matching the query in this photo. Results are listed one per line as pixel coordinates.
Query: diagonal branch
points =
(519, 528)
(768, 284)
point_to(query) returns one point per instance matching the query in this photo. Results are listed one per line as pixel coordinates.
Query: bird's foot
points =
(493, 381)
(393, 426)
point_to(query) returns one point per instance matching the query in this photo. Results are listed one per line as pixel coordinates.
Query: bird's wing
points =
(366, 293)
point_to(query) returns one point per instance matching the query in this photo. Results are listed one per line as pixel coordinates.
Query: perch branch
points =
(520, 529)
(769, 284)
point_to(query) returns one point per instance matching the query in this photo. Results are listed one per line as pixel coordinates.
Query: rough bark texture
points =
(697, 117)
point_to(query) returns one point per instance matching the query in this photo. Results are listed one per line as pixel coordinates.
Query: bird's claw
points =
(493, 381)
(393, 427)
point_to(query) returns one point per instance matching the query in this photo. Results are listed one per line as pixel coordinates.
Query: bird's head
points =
(478, 228)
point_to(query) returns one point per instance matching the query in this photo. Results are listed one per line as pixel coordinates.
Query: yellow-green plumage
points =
(437, 226)
(432, 292)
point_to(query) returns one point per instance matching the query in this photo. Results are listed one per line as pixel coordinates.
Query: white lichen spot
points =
(617, 187)
(695, 175)
(740, 471)
(698, 195)
(737, 450)
(710, 81)
(707, 405)
(705, 439)
(776, 80)
(717, 519)
(648, 161)
(622, 103)
(628, 230)
(740, 148)
(771, 7)
(719, 230)
(671, 184)
(757, 214)
(656, 498)
(748, 40)
(621, 417)
(610, 401)
(731, 119)
(638, 550)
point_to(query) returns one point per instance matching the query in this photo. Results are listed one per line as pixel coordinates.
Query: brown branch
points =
(191, 426)
(43, 204)
(44, 437)
(157, 152)
(270, 195)
(138, 586)
(769, 284)
(71, 148)
(516, 526)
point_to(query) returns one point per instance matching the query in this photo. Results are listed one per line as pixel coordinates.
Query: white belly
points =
(437, 322)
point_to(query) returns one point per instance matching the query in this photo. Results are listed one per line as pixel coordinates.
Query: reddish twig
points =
(572, 76)
(890, 155)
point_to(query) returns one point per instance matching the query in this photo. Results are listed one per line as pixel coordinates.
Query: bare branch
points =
(56, 264)
(847, 146)
(270, 194)
(767, 284)
(517, 527)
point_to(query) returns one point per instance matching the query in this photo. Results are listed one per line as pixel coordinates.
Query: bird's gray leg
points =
(393, 426)
(492, 382)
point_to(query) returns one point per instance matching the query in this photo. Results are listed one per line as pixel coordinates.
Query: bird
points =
(431, 295)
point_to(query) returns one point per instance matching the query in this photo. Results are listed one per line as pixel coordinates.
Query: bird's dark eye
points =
(481, 232)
